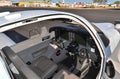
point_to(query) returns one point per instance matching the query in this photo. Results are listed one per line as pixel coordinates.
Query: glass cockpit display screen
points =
(64, 34)
(72, 36)
(81, 40)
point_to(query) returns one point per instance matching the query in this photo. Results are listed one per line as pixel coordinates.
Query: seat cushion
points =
(44, 67)
(64, 74)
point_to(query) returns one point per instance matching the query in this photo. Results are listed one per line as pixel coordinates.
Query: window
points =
(102, 36)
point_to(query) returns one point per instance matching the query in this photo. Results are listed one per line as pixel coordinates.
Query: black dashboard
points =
(71, 33)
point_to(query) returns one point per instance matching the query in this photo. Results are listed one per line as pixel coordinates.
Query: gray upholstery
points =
(44, 67)
(20, 65)
(64, 74)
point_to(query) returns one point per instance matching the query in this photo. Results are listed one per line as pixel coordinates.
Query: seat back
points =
(19, 64)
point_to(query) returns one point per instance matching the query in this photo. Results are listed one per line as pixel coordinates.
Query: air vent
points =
(30, 20)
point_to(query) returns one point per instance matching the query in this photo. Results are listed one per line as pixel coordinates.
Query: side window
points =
(102, 36)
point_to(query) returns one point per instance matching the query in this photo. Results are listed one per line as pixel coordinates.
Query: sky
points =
(71, 1)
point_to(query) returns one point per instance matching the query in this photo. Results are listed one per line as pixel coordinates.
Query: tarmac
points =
(93, 15)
